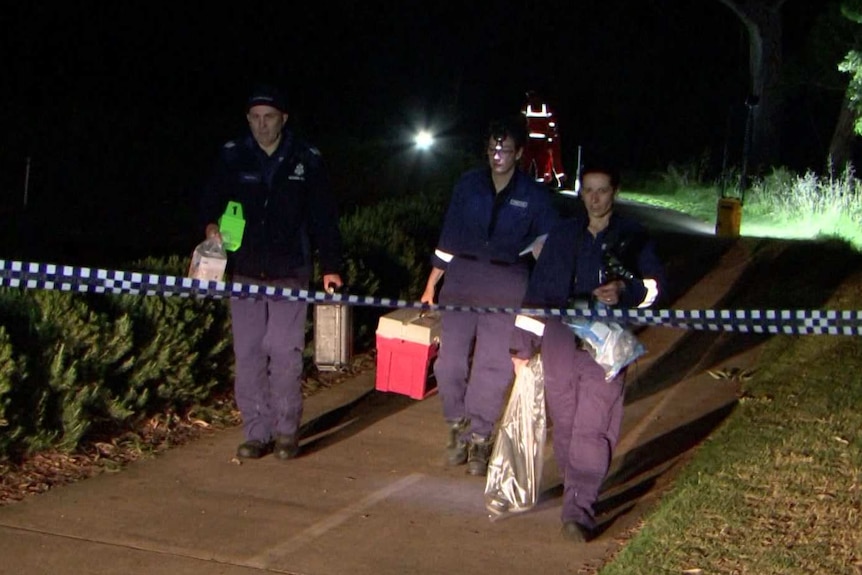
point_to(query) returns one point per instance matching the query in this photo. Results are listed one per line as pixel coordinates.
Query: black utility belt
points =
(473, 258)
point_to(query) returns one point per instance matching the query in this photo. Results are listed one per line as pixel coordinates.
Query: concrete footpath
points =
(370, 493)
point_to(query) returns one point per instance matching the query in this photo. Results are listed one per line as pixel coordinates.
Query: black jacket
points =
(287, 207)
(494, 227)
(573, 263)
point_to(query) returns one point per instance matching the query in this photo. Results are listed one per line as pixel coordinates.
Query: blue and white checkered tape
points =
(30, 275)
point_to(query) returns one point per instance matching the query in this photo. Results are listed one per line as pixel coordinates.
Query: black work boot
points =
(253, 449)
(479, 455)
(286, 446)
(456, 448)
(575, 532)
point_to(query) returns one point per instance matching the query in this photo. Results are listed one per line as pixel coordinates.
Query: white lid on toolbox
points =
(410, 325)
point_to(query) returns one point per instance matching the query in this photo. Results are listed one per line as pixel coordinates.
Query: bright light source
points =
(424, 140)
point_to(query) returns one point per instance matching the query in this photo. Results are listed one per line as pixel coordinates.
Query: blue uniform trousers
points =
(268, 339)
(586, 412)
(474, 366)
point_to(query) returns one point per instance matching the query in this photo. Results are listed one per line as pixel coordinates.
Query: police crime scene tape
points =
(31, 275)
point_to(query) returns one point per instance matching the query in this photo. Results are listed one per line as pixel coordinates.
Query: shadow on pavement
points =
(780, 274)
(343, 422)
(697, 352)
(642, 467)
(664, 448)
(687, 259)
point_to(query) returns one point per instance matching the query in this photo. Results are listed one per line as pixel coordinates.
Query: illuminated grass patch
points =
(781, 205)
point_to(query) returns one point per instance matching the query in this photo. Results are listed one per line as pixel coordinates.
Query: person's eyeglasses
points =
(493, 151)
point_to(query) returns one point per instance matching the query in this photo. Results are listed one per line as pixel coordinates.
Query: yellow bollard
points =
(729, 217)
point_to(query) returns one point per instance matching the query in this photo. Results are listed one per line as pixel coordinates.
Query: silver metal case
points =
(333, 336)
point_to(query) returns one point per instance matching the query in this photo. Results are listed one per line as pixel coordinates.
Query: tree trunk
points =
(841, 145)
(762, 20)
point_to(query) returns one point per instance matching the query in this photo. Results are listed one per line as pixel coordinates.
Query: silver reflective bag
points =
(515, 467)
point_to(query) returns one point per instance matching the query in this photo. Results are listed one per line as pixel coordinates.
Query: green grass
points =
(777, 489)
(780, 205)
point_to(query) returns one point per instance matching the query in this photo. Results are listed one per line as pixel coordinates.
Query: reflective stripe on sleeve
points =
(443, 255)
(530, 324)
(651, 293)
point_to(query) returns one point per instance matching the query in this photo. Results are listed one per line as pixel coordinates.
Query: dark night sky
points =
(135, 98)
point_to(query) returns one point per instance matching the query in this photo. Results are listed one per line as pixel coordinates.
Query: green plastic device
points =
(231, 225)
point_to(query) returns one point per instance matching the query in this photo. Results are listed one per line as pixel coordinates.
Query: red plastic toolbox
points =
(407, 343)
(403, 366)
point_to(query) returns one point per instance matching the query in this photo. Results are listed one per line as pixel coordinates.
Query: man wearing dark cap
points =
(282, 187)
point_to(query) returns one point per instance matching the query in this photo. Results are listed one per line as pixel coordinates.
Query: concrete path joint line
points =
(266, 559)
(168, 551)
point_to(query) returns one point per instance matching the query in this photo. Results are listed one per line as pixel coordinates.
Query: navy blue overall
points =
(477, 391)
(268, 339)
(585, 409)
(480, 243)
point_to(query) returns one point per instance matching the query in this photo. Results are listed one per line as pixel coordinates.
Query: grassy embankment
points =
(778, 487)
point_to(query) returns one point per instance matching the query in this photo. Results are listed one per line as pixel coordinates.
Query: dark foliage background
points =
(120, 107)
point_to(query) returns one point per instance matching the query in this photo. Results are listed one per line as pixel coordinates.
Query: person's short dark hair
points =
(267, 95)
(602, 167)
(514, 127)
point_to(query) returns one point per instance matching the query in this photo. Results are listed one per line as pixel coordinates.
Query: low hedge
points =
(73, 365)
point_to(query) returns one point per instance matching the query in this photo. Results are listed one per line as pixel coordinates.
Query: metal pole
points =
(578, 172)
(26, 182)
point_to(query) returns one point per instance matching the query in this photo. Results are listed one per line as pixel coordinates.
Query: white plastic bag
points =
(208, 261)
(611, 345)
(515, 467)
